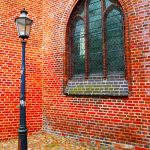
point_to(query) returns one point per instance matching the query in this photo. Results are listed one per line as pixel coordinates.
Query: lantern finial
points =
(24, 11)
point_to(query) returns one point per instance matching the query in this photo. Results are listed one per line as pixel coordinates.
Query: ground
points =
(45, 141)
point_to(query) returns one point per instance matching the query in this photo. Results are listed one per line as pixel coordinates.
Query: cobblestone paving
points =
(44, 141)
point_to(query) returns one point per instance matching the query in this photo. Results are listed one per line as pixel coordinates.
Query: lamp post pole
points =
(23, 24)
(22, 142)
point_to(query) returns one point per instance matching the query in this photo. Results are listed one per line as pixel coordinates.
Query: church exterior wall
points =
(115, 119)
(10, 68)
(99, 118)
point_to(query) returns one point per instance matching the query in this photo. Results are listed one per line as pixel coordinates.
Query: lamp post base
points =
(22, 141)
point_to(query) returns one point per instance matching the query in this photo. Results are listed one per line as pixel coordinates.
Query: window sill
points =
(97, 86)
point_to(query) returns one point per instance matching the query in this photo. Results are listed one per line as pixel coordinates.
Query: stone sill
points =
(99, 87)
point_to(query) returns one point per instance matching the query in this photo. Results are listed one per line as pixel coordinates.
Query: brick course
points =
(100, 118)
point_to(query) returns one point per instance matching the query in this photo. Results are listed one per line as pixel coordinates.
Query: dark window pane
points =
(78, 56)
(109, 2)
(115, 43)
(95, 37)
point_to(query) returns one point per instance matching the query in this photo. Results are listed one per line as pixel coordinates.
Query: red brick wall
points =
(10, 66)
(122, 120)
(116, 119)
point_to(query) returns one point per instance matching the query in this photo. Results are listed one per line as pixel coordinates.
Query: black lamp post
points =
(23, 24)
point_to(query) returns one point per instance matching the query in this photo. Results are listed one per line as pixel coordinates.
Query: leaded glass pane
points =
(95, 37)
(115, 42)
(109, 2)
(78, 57)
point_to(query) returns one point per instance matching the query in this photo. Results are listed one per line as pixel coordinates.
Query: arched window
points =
(96, 39)
(95, 49)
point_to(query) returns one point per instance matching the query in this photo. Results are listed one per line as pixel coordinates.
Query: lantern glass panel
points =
(28, 26)
(20, 22)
